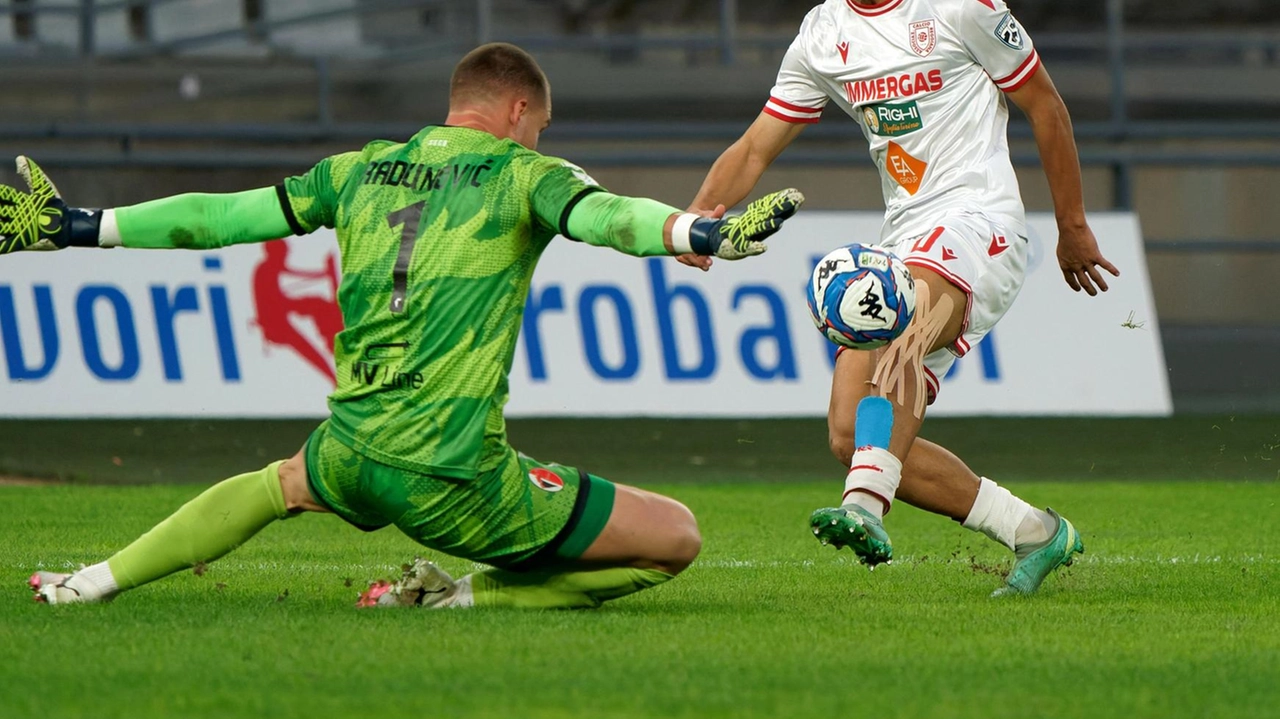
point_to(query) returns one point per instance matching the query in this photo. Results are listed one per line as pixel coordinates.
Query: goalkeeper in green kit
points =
(439, 237)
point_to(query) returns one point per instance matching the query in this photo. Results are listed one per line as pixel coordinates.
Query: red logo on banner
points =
(285, 297)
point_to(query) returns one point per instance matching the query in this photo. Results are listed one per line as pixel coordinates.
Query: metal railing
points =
(728, 37)
(1113, 143)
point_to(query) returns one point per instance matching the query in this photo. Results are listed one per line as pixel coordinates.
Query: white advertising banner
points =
(247, 332)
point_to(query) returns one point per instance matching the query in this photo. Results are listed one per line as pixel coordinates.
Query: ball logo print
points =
(829, 267)
(871, 305)
(876, 260)
(861, 297)
(863, 306)
(546, 480)
(924, 37)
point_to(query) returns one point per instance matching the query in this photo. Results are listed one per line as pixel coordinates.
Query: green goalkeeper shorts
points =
(521, 515)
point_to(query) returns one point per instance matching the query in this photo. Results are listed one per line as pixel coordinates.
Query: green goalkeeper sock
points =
(549, 590)
(222, 518)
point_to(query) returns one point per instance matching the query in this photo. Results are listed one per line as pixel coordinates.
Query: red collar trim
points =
(872, 11)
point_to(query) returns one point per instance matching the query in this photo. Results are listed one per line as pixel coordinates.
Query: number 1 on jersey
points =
(408, 217)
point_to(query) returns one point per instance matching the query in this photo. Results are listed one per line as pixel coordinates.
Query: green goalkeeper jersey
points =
(439, 237)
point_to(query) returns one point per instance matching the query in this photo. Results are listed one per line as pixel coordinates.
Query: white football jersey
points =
(923, 78)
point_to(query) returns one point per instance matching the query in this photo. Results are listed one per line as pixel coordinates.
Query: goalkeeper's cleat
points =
(854, 527)
(422, 584)
(54, 588)
(1037, 562)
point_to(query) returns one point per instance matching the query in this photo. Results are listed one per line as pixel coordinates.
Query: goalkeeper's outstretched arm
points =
(739, 168)
(192, 222)
(646, 228)
(40, 220)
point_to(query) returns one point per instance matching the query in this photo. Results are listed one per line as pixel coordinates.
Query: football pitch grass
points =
(1172, 612)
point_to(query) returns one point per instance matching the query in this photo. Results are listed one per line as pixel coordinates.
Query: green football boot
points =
(1030, 569)
(854, 527)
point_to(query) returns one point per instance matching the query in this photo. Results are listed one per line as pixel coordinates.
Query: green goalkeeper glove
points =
(733, 238)
(39, 219)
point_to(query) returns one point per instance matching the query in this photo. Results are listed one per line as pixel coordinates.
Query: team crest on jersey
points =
(923, 37)
(546, 480)
(1009, 33)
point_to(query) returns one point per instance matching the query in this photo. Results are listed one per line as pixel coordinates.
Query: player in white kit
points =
(926, 80)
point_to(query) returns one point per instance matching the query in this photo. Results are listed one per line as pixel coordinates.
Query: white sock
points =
(997, 513)
(1036, 528)
(94, 582)
(1007, 519)
(873, 479)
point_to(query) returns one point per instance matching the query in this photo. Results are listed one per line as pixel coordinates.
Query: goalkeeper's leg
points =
(646, 540)
(217, 521)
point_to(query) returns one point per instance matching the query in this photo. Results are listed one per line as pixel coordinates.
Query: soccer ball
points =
(861, 297)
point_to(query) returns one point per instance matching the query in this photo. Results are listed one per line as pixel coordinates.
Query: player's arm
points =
(796, 100)
(644, 228)
(740, 167)
(1078, 253)
(564, 198)
(40, 220)
(998, 43)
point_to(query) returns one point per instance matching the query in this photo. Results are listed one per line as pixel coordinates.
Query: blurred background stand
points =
(1176, 104)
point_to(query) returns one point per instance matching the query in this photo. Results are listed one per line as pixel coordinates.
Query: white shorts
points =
(976, 253)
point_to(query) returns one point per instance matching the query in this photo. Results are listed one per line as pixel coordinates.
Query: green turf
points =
(658, 450)
(1173, 612)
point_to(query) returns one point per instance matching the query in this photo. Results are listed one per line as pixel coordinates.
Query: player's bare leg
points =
(217, 521)
(931, 477)
(647, 541)
(887, 418)
(936, 480)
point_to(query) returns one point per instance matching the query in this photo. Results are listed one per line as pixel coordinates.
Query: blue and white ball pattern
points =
(861, 297)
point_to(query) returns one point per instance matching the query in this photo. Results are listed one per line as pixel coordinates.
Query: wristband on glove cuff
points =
(91, 228)
(83, 227)
(692, 234)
